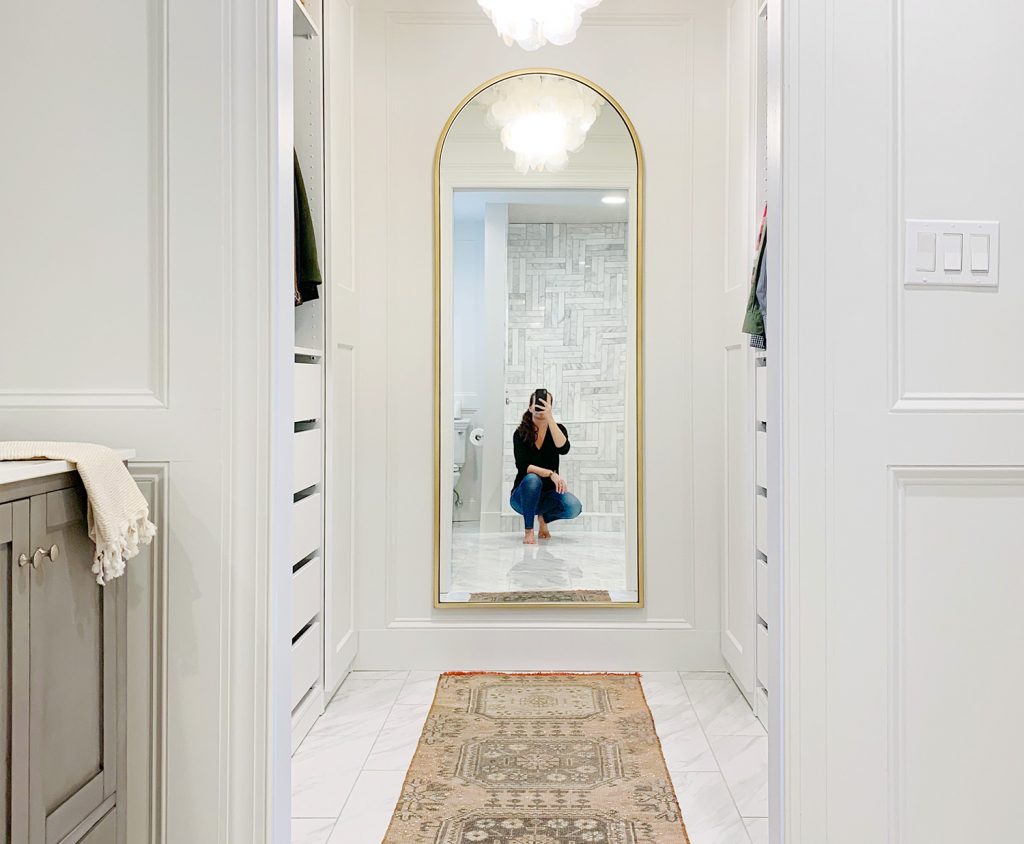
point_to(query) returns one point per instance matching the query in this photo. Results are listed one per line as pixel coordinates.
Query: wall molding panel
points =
(146, 581)
(938, 483)
(938, 307)
(157, 335)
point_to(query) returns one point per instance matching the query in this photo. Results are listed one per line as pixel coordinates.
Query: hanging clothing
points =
(307, 262)
(757, 301)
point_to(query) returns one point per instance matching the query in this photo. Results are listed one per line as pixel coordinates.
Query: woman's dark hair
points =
(527, 430)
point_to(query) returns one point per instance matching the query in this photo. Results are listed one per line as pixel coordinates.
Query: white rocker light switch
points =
(952, 252)
(979, 253)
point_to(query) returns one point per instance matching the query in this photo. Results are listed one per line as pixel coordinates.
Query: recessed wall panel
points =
(958, 580)
(81, 269)
(959, 159)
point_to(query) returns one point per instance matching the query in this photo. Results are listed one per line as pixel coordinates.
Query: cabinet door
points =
(72, 643)
(105, 832)
(8, 559)
(14, 669)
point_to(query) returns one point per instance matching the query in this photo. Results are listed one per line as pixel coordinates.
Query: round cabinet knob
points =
(41, 554)
(22, 560)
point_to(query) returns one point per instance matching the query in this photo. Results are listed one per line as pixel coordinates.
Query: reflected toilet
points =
(459, 450)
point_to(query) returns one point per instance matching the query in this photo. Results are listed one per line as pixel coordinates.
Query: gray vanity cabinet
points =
(62, 718)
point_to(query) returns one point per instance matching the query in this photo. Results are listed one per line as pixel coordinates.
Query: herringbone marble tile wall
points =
(568, 313)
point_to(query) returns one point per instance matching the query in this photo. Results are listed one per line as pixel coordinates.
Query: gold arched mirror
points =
(538, 215)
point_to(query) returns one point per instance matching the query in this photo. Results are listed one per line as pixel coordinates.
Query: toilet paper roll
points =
(476, 436)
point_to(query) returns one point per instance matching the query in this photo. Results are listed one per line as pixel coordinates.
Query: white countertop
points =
(13, 471)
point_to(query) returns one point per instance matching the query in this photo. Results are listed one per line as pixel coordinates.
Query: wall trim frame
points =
(155, 396)
(147, 694)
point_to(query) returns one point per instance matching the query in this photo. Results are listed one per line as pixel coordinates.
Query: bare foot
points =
(544, 532)
(529, 538)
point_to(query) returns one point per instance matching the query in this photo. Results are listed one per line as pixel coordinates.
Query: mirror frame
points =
(638, 303)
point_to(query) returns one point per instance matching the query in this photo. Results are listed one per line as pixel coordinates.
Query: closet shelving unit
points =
(763, 627)
(308, 556)
(303, 25)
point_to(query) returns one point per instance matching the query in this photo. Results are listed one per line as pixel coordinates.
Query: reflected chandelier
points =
(542, 118)
(533, 23)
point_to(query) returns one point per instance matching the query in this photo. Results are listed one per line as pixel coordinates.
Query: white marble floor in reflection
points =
(499, 562)
(347, 774)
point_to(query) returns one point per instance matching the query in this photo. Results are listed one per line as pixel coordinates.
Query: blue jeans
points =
(530, 499)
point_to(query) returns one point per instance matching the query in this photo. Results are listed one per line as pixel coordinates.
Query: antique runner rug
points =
(558, 596)
(538, 759)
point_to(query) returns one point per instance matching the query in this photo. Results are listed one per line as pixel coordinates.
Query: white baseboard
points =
(437, 647)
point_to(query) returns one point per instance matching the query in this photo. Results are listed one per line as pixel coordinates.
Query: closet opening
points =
(405, 577)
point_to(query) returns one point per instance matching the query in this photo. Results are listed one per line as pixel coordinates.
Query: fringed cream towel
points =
(118, 514)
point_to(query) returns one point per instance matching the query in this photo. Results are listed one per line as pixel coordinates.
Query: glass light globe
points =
(533, 23)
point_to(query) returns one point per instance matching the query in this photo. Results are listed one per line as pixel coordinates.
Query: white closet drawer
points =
(305, 594)
(763, 655)
(308, 393)
(762, 588)
(308, 460)
(761, 457)
(761, 393)
(305, 527)
(761, 518)
(305, 663)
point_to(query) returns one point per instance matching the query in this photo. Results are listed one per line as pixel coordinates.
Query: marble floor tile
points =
(708, 809)
(366, 815)
(419, 688)
(572, 559)
(376, 675)
(722, 709)
(396, 744)
(321, 784)
(663, 687)
(744, 764)
(683, 742)
(311, 830)
(328, 762)
(757, 829)
(366, 695)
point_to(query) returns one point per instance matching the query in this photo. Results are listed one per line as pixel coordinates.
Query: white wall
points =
(404, 94)
(341, 637)
(736, 358)
(905, 427)
(135, 288)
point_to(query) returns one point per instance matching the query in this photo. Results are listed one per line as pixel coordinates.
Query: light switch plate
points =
(964, 268)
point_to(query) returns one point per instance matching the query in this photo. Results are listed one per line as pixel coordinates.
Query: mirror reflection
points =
(538, 330)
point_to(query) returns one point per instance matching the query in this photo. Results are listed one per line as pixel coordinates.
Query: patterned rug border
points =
(643, 697)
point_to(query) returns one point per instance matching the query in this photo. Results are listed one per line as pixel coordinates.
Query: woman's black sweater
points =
(546, 457)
